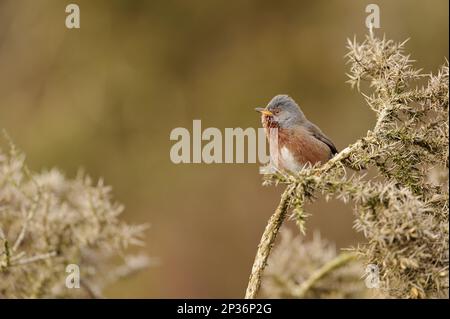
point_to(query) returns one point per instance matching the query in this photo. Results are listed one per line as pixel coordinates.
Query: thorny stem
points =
(389, 64)
(333, 264)
(35, 258)
(276, 220)
(7, 253)
(266, 243)
(340, 157)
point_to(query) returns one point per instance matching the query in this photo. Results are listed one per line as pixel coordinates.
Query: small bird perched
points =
(294, 140)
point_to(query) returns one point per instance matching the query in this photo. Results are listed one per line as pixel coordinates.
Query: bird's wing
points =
(317, 133)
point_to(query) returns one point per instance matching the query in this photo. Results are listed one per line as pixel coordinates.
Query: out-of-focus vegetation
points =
(106, 97)
(59, 237)
(294, 262)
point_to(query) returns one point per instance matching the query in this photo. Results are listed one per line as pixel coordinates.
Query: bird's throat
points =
(269, 122)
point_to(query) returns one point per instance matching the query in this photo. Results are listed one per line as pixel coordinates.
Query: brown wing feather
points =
(303, 145)
(317, 133)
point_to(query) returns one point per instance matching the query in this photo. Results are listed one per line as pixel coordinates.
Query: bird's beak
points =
(263, 111)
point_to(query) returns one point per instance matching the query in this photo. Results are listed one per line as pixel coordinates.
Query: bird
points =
(294, 141)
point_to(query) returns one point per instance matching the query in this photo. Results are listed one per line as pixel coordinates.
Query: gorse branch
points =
(337, 262)
(403, 210)
(48, 222)
(312, 269)
(267, 242)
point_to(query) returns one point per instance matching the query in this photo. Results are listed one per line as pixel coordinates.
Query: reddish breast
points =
(299, 142)
(303, 146)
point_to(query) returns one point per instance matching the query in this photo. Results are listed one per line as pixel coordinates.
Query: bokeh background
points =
(105, 97)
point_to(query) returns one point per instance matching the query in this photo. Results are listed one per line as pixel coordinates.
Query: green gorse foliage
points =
(400, 197)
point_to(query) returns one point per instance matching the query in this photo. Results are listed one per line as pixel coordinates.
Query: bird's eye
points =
(276, 111)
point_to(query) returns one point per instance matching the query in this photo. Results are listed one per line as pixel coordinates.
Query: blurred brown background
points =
(105, 97)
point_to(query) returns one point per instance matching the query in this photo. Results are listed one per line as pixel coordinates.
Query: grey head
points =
(284, 111)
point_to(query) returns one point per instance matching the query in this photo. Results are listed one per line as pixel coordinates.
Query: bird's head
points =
(282, 111)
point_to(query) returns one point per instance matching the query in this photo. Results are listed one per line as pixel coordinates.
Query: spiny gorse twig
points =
(48, 222)
(403, 210)
(313, 269)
